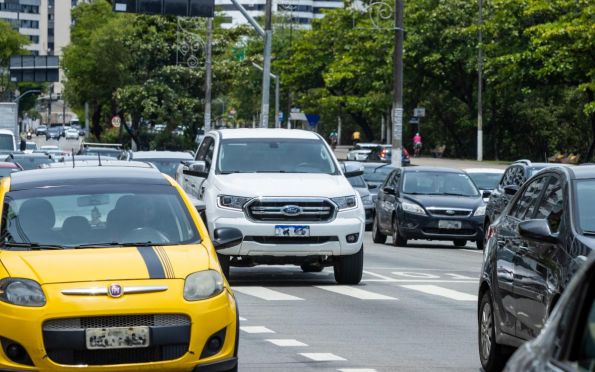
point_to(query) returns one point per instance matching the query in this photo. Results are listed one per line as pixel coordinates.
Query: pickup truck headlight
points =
(202, 285)
(413, 208)
(233, 202)
(22, 292)
(345, 202)
(480, 211)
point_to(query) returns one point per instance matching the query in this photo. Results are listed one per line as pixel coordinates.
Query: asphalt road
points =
(415, 310)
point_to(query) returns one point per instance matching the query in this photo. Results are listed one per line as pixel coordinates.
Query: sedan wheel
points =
(398, 240)
(492, 355)
(377, 236)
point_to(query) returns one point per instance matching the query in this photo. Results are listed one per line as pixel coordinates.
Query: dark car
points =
(531, 255)
(29, 161)
(384, 154)
(375, 174)
(429, 203)
(166, 161)
(360, 185)
(53, 133)
(568, 339)
(41, 130)
(512, 179)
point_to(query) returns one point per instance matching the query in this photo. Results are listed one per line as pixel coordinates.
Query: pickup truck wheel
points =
(312, 267)
(377, 236)
(348, 269)
(224, 262)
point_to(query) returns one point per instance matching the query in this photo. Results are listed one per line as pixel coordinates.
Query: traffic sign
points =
(420, 112)
(182, 8)
(313, 119)
(34, 68)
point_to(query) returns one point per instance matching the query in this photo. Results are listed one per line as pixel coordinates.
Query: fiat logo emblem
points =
(115, 290)
(291, 210)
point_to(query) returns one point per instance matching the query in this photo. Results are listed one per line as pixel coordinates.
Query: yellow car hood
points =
(95, 264)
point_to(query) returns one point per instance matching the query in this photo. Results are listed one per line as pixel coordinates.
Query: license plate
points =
(452, 225)
(117, 338)
(292, 230)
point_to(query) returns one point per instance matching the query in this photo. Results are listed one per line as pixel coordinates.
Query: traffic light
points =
(182, 8)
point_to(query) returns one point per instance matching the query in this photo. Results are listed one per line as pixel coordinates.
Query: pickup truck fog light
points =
(352, 238)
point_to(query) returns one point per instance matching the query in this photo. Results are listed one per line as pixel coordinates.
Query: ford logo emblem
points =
(291, 210)
(115, 290)
(450, 211)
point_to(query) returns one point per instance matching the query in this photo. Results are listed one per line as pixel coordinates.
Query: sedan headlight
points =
(22, 292)
(480, 211)
(413, 208)
(203, 284)
(346, 202)
(233, 202)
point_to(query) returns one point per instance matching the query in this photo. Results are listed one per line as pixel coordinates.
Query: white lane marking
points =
(322, 357)
(266, 294)
(286, 342)
(354, 292)
(381, 278)
(415, 275)
(356, 370)
(443, 292)
(423, 280)
(243, 319)
(256, 329)
(472, 250)
(459, 276)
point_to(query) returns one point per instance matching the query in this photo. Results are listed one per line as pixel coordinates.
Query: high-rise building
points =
(296, 12)
(26, 16)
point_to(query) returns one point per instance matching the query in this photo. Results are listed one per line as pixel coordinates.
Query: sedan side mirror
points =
(511, 189)
(227, 237)
(197, 169)
(537, 230)
(486, 194)
(389, 190)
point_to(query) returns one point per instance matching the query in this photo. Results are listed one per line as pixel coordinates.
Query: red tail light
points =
(491, 231)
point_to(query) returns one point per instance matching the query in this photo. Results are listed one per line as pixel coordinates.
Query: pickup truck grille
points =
(290, 210)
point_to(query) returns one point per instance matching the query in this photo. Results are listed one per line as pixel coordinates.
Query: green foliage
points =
(11, 43)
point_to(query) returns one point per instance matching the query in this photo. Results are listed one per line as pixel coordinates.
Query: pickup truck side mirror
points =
(196, 168)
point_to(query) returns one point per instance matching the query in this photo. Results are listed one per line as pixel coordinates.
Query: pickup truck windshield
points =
(275, 155)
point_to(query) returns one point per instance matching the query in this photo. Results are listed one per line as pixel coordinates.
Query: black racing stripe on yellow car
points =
(169, 269)
(154, 266)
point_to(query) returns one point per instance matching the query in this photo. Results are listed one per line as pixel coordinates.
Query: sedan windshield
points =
(585, 201)
(275, 155)
(438, 183)
(96, 216)
(377, 173)
(486, 181)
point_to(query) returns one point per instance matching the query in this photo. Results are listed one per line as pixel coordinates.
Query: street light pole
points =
(480, 86)
(397, 112)
(266, 77)
(277, 92)
(208, 72)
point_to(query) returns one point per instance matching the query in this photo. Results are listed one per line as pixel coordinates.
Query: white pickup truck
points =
(287, 194)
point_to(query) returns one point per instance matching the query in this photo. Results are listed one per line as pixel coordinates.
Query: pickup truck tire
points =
(224, 262)
(348, 269)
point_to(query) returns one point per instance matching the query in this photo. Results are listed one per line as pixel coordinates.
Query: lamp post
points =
(480, 86)
(397, 114)
(18, 99)
(276, 78)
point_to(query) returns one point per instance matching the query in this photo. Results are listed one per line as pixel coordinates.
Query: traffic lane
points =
(408, 326)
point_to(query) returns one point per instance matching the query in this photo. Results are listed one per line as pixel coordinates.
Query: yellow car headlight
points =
(203, 284)
(22, 292)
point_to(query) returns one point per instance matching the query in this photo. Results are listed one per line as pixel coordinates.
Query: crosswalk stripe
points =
(322, 357)
(443, 292)
(354, 292)
(266, 294)
(256, 329)
(356, 370)
(286, 342)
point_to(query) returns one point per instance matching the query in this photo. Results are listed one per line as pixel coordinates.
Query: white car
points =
(72, 133)
(361, 151)
(486, 179)
(287, 194)
(30, 146)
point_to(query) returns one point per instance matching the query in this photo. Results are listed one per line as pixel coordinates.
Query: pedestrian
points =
(23, 145)
(417, 144)
(333, 139)
(355, 137)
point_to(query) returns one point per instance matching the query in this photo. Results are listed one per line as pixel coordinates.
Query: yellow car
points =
(111, 268)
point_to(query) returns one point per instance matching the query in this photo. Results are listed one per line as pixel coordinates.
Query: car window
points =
(486, 181)
(204, 147)
(585, 202)
(438, 183)
(389, 179)
(358, 182)
(525, 204)
(552, 204)
(396, 179)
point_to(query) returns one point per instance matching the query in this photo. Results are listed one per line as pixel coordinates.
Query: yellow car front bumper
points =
(53, 336)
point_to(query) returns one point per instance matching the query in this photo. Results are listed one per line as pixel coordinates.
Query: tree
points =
(11, 43)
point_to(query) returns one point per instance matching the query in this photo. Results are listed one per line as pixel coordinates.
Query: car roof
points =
(266, 133)
(583, 171)
(30, 155)
(484, 170)
(67, 163)
(432, 169)
(67, 176)
(162, 155)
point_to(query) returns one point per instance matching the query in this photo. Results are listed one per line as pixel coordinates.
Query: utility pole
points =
(480, 86)
(208, 77)
(397, 110)
(266, 74)
(87, 119)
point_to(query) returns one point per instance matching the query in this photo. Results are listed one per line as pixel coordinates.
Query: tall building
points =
(297, 12)
(26, 16)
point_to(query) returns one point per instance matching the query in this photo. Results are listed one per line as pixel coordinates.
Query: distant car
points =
(166, 161)
(72, 133)
(30, 147)
(53, 133)
(486, 179)
(361, 151)
(568, 338)
(513, 178)
(41, 130)
(384, 154)
(80, 130)
(7, 168)
(429, 203)
(531, 255)
(29, 161)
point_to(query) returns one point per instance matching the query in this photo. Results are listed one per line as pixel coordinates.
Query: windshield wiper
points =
(32, 245)
(381, 166)
(270, 171)
(116, 244)
(230, 172)
(454, 194)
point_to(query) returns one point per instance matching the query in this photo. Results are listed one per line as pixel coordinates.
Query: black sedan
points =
(532, 252)
(429, 203)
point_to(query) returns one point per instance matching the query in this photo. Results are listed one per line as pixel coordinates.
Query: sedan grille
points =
(448, 212)
(291, 210)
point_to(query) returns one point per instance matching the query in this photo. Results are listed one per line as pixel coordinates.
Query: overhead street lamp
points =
(276, 78)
